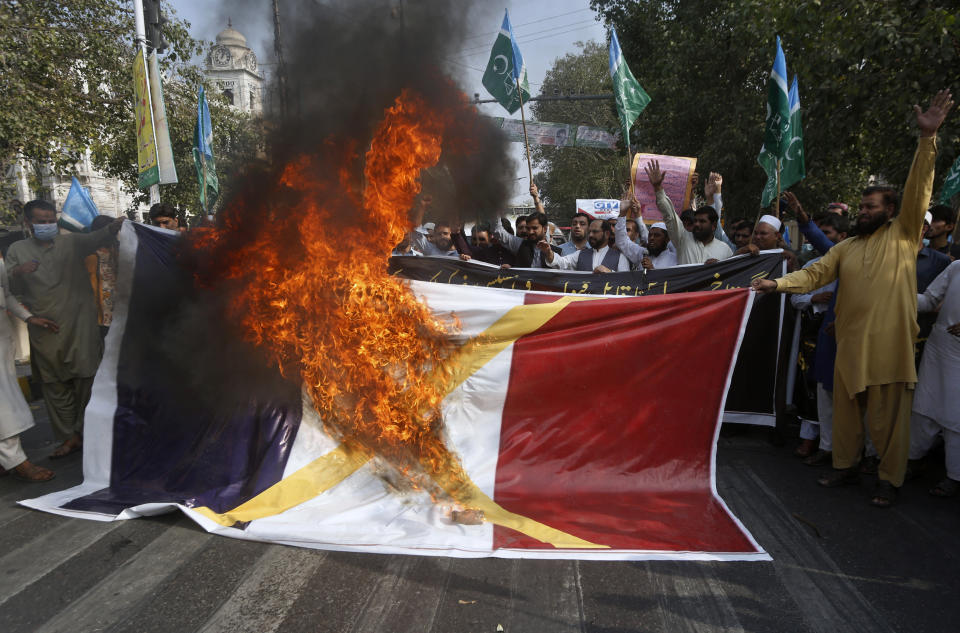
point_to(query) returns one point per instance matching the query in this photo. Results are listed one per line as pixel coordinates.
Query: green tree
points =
(861, 66)
(568, 173)
(68, 86)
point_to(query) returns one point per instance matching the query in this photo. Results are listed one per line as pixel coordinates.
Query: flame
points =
(314, 292)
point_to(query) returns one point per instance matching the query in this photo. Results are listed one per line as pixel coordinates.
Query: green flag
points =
(631, 98)
(951, 184)
(203, 155)
(504, 68)
(776, 135)
(792, 166)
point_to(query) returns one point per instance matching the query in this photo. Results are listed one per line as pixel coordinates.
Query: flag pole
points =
(776, 203)
(523, 121)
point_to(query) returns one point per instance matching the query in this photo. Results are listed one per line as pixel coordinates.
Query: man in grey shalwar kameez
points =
(47, 274)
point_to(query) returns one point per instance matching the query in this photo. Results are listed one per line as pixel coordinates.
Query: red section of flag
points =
(609, 423)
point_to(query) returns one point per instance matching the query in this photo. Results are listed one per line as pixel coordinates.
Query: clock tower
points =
(232, 67)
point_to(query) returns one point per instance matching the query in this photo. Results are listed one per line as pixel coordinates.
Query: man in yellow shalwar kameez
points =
(876, 324)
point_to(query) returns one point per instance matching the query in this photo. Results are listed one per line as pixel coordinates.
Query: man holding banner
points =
(699, 246)
(875, 374)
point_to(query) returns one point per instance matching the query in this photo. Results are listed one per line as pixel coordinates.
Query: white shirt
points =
(689, 249)
(937, 395)
(569, 262)
(635, 253)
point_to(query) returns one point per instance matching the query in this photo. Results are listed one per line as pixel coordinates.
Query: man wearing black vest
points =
(598, 258)
(526, 249)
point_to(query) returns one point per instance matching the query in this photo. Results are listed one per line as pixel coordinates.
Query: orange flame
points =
(316, 295)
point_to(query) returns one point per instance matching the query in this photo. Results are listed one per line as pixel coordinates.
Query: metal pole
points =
(141, 40)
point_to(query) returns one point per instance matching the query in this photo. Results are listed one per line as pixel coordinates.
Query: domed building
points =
(232, 66)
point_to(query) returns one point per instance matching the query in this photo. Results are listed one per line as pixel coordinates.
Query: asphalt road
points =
(838, 565)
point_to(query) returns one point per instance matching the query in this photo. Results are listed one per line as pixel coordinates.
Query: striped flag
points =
(792, 166)
(558, 459)
(78, 209)
(776, 135)
(630, 96)
(505, 68)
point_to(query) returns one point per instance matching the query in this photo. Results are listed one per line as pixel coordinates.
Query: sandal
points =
(843, 477)
(884, 495)
(806, 448)
(819, 458)
(31, 473)
(66, 449)
(946, 488)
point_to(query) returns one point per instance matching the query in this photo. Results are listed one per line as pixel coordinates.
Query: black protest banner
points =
(750, 398)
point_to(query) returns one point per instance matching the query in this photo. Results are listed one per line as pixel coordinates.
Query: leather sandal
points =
(946, 488)
(842, 477)
(884, 495)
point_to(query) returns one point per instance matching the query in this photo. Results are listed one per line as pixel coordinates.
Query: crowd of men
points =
(867, 288)
(893, 260)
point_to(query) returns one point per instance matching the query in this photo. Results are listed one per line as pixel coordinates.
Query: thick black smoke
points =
(346, 62)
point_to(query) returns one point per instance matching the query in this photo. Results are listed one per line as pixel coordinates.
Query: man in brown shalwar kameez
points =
(876, 324)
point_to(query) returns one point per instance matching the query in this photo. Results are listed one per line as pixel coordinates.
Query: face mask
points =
(45, 232)
(926, 242)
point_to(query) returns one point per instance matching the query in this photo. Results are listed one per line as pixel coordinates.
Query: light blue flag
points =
(630, 97)
(203, 155)
(78, 209)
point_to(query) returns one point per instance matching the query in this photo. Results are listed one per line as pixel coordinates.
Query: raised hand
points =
(929, 121)
(654, 175)
(796, 207)
(534, 192)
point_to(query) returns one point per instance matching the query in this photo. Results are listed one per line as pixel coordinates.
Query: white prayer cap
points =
(772, 221)
(928, 217)
(429, 225)
(659, 225)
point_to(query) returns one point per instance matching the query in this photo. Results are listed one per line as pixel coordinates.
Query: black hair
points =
(687, 215)
(579, 214)
(100, 221)
(839, 223)
(709, 211)
(890, 195)
(161, 210)
(944, 213)
(539, 216)
(29, 208)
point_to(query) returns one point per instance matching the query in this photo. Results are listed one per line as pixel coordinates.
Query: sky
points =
(545, 30)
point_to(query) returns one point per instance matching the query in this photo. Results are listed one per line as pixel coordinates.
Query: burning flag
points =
(273, 381)
(552, 462)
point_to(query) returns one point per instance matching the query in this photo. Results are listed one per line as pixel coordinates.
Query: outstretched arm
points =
(919, 187)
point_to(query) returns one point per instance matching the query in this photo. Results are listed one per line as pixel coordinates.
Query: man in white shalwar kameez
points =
(936, 404)
(15, 415)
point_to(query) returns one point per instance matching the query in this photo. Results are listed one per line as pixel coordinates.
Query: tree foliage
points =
(861, 65)
(568, 173)
(68, 86)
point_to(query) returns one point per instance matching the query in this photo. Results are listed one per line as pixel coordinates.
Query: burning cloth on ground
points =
(553, 459)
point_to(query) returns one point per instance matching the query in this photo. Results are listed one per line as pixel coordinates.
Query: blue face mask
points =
(926, 242)
(45, 232)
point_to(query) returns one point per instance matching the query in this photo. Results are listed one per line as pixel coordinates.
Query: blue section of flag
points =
(78, 209)
(779, 71)
(203, 139)
(794, 96)
(517, 57)
(615, 53)
(187, 428)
